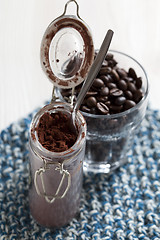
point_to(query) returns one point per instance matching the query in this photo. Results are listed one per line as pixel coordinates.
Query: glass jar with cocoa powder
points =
(56, 149)
(56, 154)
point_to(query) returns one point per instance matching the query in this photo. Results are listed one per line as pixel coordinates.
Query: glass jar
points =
(56, 177)
(110, 137)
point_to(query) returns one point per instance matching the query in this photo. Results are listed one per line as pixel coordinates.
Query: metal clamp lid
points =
(67, 50)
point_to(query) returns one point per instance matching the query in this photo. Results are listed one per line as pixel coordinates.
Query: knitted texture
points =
(125, 205)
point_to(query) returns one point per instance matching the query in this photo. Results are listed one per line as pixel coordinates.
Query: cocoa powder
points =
(55, 132)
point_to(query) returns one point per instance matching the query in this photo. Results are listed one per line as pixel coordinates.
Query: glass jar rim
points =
(49, 155)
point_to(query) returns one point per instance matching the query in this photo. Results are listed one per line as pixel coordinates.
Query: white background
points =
(23, 85)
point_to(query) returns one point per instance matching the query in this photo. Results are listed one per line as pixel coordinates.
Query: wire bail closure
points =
(62, 171)
(66, 5)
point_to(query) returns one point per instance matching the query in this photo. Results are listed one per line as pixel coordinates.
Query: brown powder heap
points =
(55, 133)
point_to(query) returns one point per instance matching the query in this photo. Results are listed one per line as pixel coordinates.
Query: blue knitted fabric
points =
(125, 205)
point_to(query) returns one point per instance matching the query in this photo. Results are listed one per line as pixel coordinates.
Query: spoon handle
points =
(94, 69)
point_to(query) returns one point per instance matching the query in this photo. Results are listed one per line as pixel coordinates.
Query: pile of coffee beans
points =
(113, 91)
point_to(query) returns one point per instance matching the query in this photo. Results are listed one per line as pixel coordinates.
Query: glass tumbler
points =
(110, 137)
(56, 177)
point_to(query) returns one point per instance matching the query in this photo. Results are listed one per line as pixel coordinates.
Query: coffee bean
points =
(116, 108)
(85, 109)
(137, 96)
(104, 91)
(139, 82)
(98, 83)
(128, 79)
(122, 85)
(112, 63)
(108, 103)
(102, 99)
(111, 85)
(105, 70)
(115, 75)
(132, 87)
(122, 73)
(89, 94)
(106, 78)
(109, 56)
(129, 104)
(91, 102)
(115, 92)
(132, 73)
(128, 94)
(120, 100)
(102, 108)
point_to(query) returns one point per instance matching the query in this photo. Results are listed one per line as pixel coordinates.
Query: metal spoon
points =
(92, 74)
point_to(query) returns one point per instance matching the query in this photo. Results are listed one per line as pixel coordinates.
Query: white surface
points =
(23, 85)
